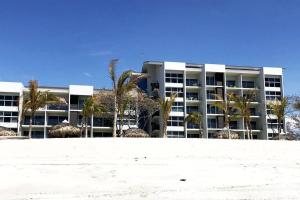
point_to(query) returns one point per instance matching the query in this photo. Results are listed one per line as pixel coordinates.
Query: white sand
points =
(108, 168)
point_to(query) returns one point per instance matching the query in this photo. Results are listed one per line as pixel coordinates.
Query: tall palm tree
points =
(35, 100)
(195, 118)
(227, 109)
(90, 108)
(279, 109)
(242, 103)
(165, 108)
(126, 82)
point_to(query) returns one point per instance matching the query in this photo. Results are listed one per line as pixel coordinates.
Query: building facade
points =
(11, 98)
(197, 86)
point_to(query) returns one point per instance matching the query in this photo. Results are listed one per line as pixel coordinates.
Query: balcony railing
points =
(192, 126)
(57, 107)
(192, 82)
(76, 107)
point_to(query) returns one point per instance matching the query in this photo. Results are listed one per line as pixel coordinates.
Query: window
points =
(102, 134)
(192, 82)
(192, 96)
(53, 120)
(193, 135)
(175, 134)
(253, 111)
(273, 124)
(212, 123)
(177, 107)
(8, 100)
(174, 78)
(178, 91)
(210, 80)
(37, 120)
(248, 84)
(211, 109)
(191, 109)
(272, 82)
(9, 117)
(230, 83)
(233, 125)
(80, 120)
(102, 122)
(192, 125)
(175, 121)
(211, 94)
(272, 95)
(253, 125)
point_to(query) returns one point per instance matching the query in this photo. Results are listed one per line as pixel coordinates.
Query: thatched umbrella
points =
(136, 133)
(224, 135)
(287, 136)
(7, 132)
(64, 130)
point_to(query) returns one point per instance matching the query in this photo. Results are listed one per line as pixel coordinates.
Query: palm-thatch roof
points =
(224, 134)
(64, 130)
(7, 132)
(136, 133)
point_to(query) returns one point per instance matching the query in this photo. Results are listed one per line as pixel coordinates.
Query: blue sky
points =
(62, 42)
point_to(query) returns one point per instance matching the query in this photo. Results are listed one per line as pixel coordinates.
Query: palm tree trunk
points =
(30, 127)
(86, 130)
(247, 130)
(115, 118)
(81, 129)
(229, 132)
(165, 135)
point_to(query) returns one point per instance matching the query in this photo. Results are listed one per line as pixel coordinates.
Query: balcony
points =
(192, 82)
(192, 96)
(58, 107)
(76, 106)
(192, 126)
(38, 121)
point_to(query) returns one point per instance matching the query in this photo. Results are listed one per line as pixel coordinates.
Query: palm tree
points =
(225, 106)
(121, 88)
(242, 103)
(90, 108)
(166, 107)
(279, 109)
(195, 118)
(35, 100)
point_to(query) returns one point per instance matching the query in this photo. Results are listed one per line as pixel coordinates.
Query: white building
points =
(196, 86)
(11, 98)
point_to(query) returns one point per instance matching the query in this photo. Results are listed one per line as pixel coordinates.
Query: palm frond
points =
(112, 71)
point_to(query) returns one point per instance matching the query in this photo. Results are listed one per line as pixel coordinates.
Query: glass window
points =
(177, 107)
(174, 78)
(175, 134)
(191, 109)
(273, 95)
(248, 84)
(210, 80)
(8, 100)
(192, 96)
(272, 82)
(192, 82)
(178, 91)
(230, 83)
(175, 121)
(212, 123)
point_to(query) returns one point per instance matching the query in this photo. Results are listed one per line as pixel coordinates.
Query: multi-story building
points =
(11, 98)
(197, 86)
